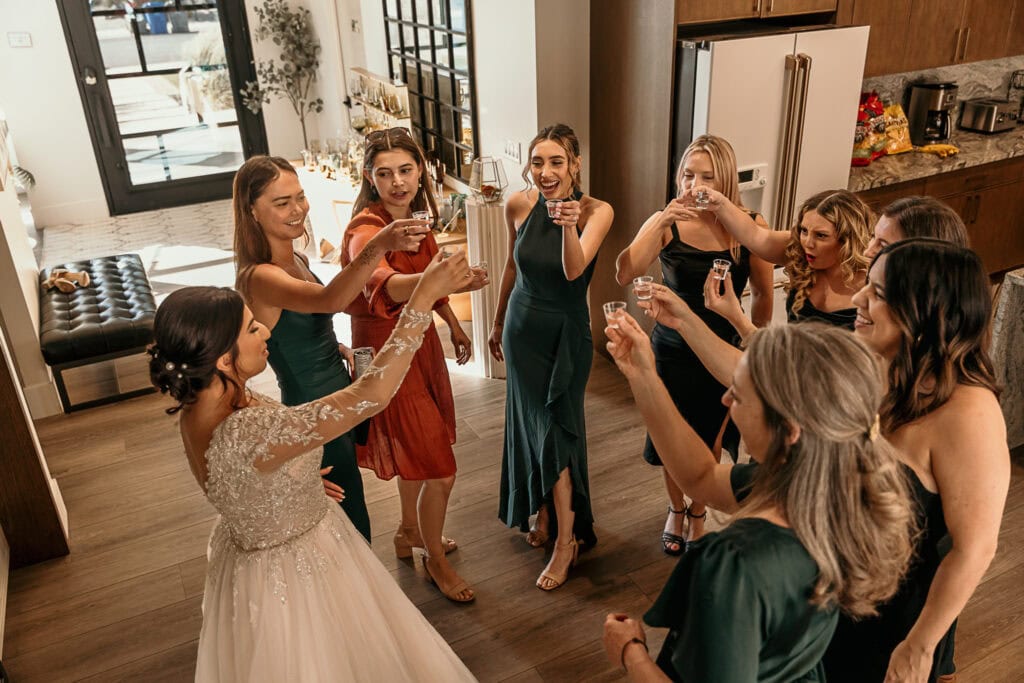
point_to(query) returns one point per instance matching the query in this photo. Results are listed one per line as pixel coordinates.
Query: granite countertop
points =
(975, 149)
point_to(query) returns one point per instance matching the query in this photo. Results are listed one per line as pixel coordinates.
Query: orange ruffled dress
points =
(412, 438)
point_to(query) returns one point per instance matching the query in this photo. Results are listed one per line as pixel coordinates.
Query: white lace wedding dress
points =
(293, 592)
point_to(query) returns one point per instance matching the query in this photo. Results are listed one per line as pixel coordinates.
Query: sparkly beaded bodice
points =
(263, 460)
(265, 509)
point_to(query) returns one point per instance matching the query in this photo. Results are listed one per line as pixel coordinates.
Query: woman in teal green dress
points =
(825, 524)
(542, 332)
(270, 210)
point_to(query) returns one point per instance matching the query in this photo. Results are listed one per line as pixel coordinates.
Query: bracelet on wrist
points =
(625, 646)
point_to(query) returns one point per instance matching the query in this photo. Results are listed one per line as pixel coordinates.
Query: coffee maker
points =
(930, 113)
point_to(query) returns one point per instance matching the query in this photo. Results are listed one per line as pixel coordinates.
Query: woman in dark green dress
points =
(825, 525)
(270, 210)
(542, 332)
(925, 312)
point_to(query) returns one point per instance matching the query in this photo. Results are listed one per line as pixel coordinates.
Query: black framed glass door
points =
(159, 82)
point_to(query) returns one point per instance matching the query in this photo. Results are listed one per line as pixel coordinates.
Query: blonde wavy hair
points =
(853, 221)
(723, 165)
(841, 488)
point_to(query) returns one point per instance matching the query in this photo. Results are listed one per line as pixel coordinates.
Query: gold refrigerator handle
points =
(803, 85)
(782, 186)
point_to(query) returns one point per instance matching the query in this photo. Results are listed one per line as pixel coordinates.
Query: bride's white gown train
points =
(293, 591)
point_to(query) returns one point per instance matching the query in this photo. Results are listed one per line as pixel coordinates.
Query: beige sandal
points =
(556, 581)
(404, 543)
(453, 592)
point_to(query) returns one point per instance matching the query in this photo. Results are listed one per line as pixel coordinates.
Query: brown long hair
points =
(193, 328)
(928, 217)
(841, 489)
(251, 245)
(567, 140)
(939, 295)
(723, 165)
(853, 221)
(394, 139)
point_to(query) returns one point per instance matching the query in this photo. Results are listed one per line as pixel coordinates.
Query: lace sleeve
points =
(313, 424)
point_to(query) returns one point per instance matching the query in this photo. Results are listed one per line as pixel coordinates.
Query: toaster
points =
(986, 115)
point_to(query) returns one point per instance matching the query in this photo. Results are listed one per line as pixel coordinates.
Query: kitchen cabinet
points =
(934, 34)
(985, 29)
(1015, 41)
(989, 199)
(699, 12)
(782, 8)
(911, 35)
(887, 43)
(705, 11)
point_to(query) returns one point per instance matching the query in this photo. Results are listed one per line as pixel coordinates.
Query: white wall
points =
(41, 101)
(563, 70)
(505, 56)
(19, 307)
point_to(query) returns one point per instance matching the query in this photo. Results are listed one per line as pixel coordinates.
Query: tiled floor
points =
(179, 246)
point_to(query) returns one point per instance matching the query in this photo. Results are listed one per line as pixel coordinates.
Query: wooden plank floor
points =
(125, 605)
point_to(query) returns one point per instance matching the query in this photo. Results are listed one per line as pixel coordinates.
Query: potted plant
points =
(292, 78)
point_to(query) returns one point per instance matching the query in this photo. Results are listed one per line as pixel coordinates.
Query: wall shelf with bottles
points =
(385, 102)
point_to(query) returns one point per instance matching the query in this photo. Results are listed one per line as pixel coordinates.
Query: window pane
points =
(406, 8)
(461, 53)
(458, 15)
(183, 153)
(392, 8)
(117, 44)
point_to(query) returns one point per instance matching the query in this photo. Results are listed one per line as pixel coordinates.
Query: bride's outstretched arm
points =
(312, 424)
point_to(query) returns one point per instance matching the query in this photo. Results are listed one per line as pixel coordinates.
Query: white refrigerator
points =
(787, 102)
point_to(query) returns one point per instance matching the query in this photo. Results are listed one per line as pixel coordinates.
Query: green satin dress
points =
(548, 351)
(304, 354)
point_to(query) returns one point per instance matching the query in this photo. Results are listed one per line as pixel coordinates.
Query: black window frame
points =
(429, 105)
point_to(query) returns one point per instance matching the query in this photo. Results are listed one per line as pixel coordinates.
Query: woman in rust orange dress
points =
(412, 438)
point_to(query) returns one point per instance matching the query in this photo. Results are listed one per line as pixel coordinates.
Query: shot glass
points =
(423, 216)
(703, 200)
(481, 266)
(721, 268)
(447, 252)
(642, 287)
(612, 311)
(554, 208)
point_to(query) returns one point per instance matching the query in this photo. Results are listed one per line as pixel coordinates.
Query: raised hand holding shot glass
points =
(642, 287)
(720, 267)
(554, 208)
(612, 311)
(702, 200)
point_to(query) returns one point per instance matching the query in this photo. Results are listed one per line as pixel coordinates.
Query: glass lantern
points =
(487, 179)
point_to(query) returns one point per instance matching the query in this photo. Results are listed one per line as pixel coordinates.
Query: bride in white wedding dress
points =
(293, 592)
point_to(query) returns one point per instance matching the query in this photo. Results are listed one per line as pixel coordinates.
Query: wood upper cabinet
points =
(934, 35)
(705, 11)
(782, 8)
(985, 29)
(887, 43)
(1015, 39)
(911, 35)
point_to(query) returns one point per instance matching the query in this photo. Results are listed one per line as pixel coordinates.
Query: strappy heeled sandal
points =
(453, 592)
(537, 537)
(404, 547)
(690, 515)
(667, 538)
(556, 581)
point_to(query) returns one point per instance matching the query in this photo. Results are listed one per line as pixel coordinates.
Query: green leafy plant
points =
(24, 177)
(293, 77)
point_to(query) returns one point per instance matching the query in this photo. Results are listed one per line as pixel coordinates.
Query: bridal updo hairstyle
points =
(194, 326)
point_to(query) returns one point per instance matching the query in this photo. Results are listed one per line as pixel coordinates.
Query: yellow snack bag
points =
(897, 131)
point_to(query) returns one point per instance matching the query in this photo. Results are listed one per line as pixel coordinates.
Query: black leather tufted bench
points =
(111, 318)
